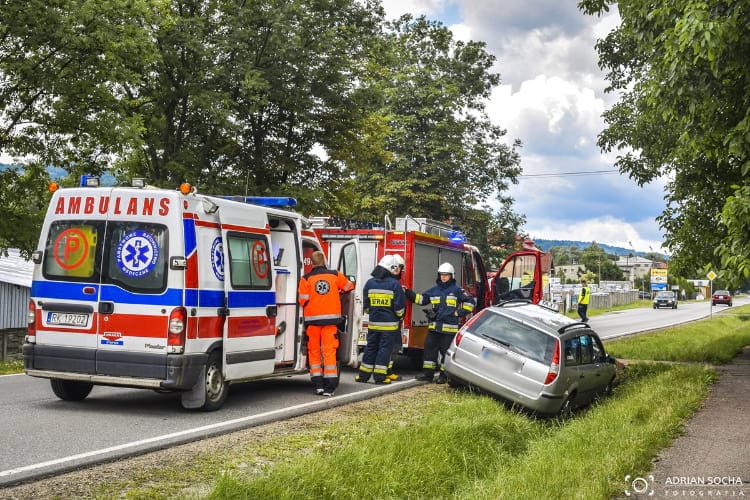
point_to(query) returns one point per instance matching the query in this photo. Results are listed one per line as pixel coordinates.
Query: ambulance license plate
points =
(67, 319)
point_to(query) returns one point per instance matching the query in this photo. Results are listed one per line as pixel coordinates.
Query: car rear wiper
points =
(501, 342)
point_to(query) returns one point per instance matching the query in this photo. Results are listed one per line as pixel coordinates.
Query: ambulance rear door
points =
(354, 262)
(250, 296)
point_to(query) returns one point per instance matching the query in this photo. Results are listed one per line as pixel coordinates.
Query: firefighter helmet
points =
(386, 261)
(398, 261)
(446, 268)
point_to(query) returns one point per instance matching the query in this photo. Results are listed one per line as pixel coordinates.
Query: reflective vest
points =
(583, 296)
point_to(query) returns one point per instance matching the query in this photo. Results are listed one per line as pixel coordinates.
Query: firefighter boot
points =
(394, 378)
(441, 378)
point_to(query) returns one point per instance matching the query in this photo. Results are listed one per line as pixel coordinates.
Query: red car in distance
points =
(721, 297)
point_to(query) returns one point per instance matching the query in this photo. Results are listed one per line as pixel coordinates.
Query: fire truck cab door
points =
(350, 264)
(250, 297)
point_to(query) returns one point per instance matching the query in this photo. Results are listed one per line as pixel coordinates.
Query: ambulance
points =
(355, 247)
(170, 290)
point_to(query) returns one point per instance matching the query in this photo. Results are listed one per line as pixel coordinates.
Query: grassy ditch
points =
(470, 446)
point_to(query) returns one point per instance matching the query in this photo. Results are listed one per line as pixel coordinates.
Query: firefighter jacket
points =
(385, 300)
(449, 303)
(319, 294)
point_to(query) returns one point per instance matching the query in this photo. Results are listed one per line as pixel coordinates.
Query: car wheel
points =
(70, 390)
(217, 388)
(453, 383)
(654, 307)
(713, 303)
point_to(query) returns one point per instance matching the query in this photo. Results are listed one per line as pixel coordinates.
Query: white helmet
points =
(386, 261)
(446, 267)
(398, 260)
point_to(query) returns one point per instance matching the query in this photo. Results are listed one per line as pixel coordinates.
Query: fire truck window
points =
(72, 250)
(469, 278)
(249, 262)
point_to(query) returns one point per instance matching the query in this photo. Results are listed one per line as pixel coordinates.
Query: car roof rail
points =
(511, 302)
(579, 324)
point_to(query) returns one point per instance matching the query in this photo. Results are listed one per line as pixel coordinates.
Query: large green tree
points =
(680, 68)
(444, 156)
(319, 100)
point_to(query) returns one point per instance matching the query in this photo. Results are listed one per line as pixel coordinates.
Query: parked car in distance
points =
(721, 297)
(644, 295)
(532, 356)
(665, 298)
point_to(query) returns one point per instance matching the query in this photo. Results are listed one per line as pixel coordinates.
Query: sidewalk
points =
(712, 457)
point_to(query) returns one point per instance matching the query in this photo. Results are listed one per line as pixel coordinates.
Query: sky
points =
(551, 97)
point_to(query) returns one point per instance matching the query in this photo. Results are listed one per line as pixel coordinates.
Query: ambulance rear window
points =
(136, 256)
(71, 252)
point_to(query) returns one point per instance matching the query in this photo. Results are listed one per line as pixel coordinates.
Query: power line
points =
(571, 174)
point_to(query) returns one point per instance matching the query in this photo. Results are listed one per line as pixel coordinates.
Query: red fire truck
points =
(354, 248)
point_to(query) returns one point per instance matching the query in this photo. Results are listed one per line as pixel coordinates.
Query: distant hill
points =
(547, 244)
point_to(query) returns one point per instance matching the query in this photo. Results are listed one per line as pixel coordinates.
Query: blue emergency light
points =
(89, 181)
(457, 237)
(266, 201)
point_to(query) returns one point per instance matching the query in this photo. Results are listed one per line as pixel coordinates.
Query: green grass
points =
(470, 446)
(715, 340)
(9, 367)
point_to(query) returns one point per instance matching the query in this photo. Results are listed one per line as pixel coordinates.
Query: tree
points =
(680, 68)
(444, 156)
(599, 263)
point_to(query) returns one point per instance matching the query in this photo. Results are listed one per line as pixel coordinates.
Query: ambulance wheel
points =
(217, 388)
(69, 390)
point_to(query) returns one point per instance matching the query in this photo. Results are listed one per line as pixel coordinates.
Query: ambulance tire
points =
(217, 388)
(69, 390)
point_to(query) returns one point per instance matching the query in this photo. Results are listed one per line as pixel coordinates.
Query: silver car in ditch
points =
(532, 356)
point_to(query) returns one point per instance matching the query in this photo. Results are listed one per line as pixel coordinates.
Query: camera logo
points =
(639, 486)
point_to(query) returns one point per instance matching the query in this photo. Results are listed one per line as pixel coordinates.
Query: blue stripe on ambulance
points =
(251, 298)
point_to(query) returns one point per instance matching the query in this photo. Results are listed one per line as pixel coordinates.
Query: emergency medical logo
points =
(217, 258)
(322, 287)
(137, 253)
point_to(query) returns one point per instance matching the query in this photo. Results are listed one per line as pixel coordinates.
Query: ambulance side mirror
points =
(36, 256)
(178, 263)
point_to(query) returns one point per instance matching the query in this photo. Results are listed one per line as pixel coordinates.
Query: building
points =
(15, 287)
(635, 268)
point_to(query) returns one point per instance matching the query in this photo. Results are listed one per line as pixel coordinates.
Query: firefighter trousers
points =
(435, 344)
(322, 342)
(377, 356)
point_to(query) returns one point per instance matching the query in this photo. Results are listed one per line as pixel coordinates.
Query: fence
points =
(11, 343)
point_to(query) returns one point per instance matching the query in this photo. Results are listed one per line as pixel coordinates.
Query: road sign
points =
(711, 275)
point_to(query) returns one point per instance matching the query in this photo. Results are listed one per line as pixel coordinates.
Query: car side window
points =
(586, 349)
(597, 351)
(571, 352)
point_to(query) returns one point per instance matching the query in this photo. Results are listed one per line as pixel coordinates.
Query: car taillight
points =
(459, 336)
(31, 319)
(176, 334)
(554, 367)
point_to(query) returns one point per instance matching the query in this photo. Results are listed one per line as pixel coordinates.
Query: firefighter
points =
(449, 303)
(319, 294)
(386, 302)
(397, 341)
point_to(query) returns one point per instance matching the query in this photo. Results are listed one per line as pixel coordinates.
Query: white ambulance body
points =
(153, 288)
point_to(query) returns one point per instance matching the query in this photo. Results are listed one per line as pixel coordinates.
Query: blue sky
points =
(552, 98)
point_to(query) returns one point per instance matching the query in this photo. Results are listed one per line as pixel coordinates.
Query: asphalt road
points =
(46, 436)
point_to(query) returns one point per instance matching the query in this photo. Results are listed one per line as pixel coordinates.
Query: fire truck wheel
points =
(216, 387)
(69, 390)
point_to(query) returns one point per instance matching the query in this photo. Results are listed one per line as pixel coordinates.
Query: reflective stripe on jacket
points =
(449, 302)
(384, 300)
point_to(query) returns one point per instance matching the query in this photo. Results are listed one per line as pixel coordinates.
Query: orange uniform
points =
(319, 294)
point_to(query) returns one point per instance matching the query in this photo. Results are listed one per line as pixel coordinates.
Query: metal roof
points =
(15, 269)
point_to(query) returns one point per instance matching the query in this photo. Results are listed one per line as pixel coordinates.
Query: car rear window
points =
(514, 335)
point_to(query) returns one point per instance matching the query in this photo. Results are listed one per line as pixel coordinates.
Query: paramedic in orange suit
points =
(319, 294)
